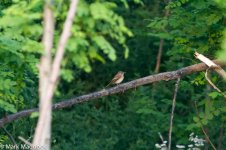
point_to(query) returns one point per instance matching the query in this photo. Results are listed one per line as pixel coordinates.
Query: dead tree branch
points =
(25, 141)
(117, 89)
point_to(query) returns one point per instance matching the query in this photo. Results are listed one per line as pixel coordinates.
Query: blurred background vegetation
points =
(108, 36)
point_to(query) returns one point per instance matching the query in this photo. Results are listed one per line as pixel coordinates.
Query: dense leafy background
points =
(108, 36)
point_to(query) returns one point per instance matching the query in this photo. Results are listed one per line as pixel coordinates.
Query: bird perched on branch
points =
(118, 78)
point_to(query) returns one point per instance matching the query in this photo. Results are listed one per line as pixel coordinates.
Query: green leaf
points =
(202, 115)
(214, 95)
(7, 106)
(105, 46)
(94, 55)
(196, 119)
(67, 75)
(210, 116)
(126, 53)
(100, 11)
(81, 60)
(223, 109)
(216, 112)
(34, 115)
(205, 122)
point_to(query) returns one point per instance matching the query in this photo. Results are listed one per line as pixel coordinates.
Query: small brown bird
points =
(118, 78)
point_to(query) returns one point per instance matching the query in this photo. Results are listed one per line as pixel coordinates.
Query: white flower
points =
(164, 142)
(190, 145)
(191, 134)
(157, 146)
(180, 146)
(191, 138)
(163, 145)
(164, 148)
(202, 144)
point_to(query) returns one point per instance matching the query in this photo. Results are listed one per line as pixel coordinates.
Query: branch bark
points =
(120, 88)
(43, 129)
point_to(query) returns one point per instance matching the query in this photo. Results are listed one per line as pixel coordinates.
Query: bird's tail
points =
(108, 84)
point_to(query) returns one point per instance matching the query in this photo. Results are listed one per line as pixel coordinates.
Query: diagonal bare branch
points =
(212, 84)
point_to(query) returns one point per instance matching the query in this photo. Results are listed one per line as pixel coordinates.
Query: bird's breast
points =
(119, 80)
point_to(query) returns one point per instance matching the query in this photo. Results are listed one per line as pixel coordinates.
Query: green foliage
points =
(176, 3)
(34, 115)
(199, 80)
(192, 27)
(97, 27)
(221, 3)
(20, 43)
(19, 47)
(96, 50)
(3, 138)
(222, 53)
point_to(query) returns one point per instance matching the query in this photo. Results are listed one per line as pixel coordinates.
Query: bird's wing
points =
(116, 77)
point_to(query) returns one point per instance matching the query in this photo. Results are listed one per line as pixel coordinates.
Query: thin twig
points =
(202, 127)
(212, 84)
(161, 137)
(172, 112)
(25, 141)
(10, 136)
